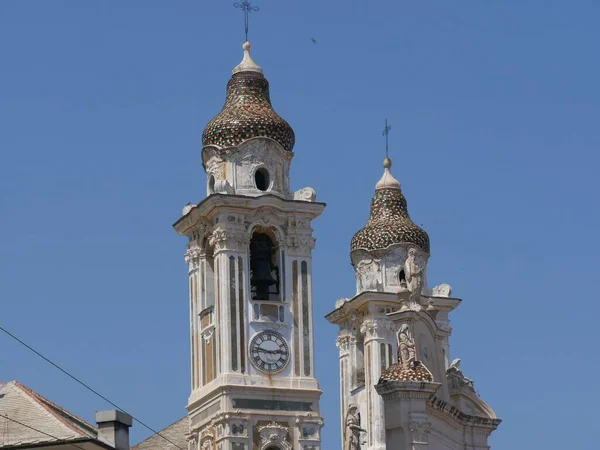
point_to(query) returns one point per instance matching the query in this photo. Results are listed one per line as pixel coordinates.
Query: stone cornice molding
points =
(216, 204)
(346, 309)
(461, 418)
(390, 390)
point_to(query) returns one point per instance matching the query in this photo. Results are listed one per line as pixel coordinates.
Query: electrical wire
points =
(87, 387)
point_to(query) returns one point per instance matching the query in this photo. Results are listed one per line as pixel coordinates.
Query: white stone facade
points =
(442, 414)
(235, 403)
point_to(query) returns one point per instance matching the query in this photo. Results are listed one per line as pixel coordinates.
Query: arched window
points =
(264, 273)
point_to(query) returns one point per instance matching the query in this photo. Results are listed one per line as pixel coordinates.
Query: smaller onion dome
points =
(247, 112)
(398, 372)
(389, 222)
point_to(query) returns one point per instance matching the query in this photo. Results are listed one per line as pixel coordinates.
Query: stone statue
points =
(413, 274)
(352, 429)
(407, 353)
(455, 376)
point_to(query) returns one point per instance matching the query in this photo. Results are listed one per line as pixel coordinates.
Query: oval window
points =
(261, 179)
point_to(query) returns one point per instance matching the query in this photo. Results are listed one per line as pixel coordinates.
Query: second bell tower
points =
(250, 281)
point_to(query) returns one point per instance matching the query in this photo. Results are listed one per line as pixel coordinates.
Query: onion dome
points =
(247, 112)
(389, 222)
(398, 372)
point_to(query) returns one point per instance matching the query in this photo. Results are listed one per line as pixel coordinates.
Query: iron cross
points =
(386, 132)
(247, 7)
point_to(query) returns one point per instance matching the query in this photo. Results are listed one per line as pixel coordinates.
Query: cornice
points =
(390, 390)
(347, 308)
(461, 418)
(218, 203)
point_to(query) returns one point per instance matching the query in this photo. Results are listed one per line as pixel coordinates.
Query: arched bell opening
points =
(264, 266)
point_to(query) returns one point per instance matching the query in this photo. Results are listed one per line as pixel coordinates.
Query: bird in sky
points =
(313, 40)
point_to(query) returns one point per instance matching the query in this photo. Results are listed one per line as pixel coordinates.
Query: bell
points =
(262, 279)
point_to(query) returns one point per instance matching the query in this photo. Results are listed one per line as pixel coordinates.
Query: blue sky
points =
(494, 108)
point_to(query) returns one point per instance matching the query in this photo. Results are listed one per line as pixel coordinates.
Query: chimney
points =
(113, 427)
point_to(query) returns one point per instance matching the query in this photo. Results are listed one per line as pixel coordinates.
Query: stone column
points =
(192, 259)
(376, 331)
(346, 344)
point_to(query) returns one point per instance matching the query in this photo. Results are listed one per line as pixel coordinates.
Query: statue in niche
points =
(413, 275)
(455, 376)
(407, 353)
(352, 429)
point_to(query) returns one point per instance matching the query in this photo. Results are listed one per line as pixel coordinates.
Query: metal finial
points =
(386, 132)
(247, 7)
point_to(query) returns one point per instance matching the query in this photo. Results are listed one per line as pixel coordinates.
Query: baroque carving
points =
(192, 257)
(355, 320)
(306, 194)
(443, 290)
(274, 434)
(368, 273)
(352, 429)
(377, 328)
(407, 353)
(228, 240)
(414, 275)
(301, 242)
(344, 343)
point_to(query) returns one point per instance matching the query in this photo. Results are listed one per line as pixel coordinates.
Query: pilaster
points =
(376, 331)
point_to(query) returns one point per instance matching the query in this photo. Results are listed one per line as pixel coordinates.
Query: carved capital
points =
(344, 343)
(192, 257)
(300, 243)
(228, 240)
(377, 328)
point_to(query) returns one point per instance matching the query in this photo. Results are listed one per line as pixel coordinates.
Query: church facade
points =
(253, 384)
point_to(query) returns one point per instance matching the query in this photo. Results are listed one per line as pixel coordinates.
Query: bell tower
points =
(398, 388)
(250, 282)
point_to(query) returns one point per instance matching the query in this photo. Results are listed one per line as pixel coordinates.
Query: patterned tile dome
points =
(389, 222)
(397, 372)
(248, 112)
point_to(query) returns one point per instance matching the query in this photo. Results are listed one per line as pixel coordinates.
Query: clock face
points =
(269, 351)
